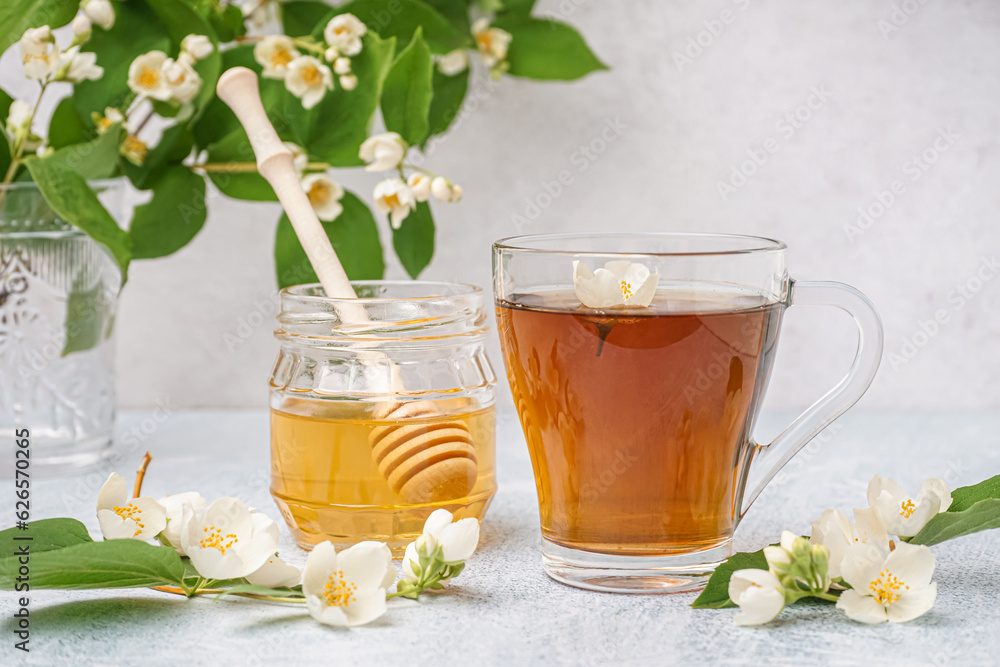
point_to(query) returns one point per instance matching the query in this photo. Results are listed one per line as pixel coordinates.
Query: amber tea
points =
(638, 421)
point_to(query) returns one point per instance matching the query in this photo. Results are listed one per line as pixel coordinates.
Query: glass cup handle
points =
(767, 460)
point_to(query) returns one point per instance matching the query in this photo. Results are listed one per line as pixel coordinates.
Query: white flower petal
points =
(437, 522)
(390, 572)
(937, 489)
(113, 527)
(152, 516)
(861, 608)
(365, 606)
(776, 556)
(459, 540)
(275, 573)
(114, 492)
(788, 540)
(363, 564)
(326, 614)
(915, 602)
(320, 564)
(410, 558)
(912, 564)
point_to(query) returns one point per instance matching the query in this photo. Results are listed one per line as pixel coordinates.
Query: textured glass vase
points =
(58, 299)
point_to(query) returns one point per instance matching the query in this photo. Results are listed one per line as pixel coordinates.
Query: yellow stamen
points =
(311, 76)
(626, 290)
(131, 513)
(319, 193)
(280, 58)
(337, 592)
(215, 540)
(134, 148)
(149, 78)
(391, 201)
(907, 509)
(884, 588)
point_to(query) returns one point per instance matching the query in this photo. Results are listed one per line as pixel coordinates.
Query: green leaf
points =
(87, 313)
(407, 92)
(544, 49)
(174, 146)
(5, 102)
(66, 126)
(965, 497)
(984, 515)
(250, 185)
(456, 11)
(414, 240)
(227, 22)
(400, 19)
(16, 16)
(354, 236)
(94, 159)
(181, 20)
(137, 30)
(109, 564)
(337, 126)
(716, 593)
(302, 17)
(173, 217)
(45, 534)
(69, 196)
(973, 509)
(262, 590)
(518, 6)
(449, 94)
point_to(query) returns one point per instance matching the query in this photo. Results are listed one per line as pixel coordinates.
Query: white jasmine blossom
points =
(619, 283)
(18, 125)
(759, 595)
(75, 66)
(493, 43)
(348, 82)
(342, 65)
(100, 12)
(299, 157)
(343, 33)
(134, 150)
(199, 46)
(111, 117)
(456, 539)
(446, 191)
(174, 505)
(182, 80)
(39, 53)
(274, 53)
(308, 79)
(145, 76)
(393, 197)
(383, 152)
(896, 589)
(275, 574)
(82, 29)
(420, 186)
(120, 518)
(348, 588)
(901, 514)
(453, 62)
(227, 540)
(836, 532)
(324, 195)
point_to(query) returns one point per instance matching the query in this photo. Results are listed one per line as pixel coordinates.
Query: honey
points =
(327, 480)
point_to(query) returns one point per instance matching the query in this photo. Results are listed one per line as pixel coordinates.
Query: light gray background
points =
(685, 119)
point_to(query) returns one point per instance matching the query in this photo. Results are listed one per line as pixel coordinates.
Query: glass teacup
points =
(638, 408)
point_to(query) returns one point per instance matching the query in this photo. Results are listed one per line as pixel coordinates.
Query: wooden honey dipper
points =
(422, 463)
(426, 462)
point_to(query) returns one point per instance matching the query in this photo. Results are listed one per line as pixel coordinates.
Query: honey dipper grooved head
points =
(427, 461)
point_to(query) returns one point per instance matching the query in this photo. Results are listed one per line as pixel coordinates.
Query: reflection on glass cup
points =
(639, 419)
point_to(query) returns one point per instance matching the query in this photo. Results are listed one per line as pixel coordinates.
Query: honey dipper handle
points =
(238, 88)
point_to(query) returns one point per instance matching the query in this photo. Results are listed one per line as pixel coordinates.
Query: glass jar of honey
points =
(382, 411)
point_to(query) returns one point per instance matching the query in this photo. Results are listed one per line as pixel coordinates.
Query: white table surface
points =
(503, 610)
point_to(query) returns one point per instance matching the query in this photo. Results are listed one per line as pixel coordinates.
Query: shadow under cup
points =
(639, 418)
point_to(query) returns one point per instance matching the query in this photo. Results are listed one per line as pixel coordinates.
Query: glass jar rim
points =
(96, 184)
(744, 244)
(447, 291)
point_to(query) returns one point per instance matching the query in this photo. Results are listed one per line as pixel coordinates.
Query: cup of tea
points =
(638, 364)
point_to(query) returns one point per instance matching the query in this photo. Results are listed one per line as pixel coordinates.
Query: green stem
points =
(416, 168)
(826, 596)
(15, 160)
(247, 167)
